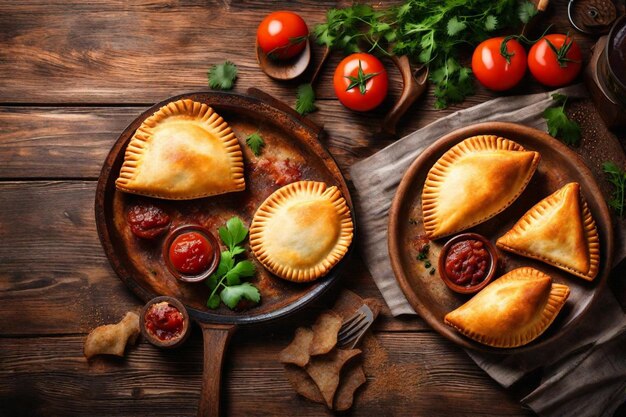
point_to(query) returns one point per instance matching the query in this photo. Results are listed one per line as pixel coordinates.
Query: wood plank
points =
(114, 52)
(55, 278)
(409, 374)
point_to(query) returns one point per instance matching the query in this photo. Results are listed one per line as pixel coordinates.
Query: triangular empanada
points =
(560, 231)
(302, 230)
(511, 311)
(183, 151)
(473, 181)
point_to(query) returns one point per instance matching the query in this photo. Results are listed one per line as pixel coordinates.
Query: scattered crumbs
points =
(432, 271)
(412, 221)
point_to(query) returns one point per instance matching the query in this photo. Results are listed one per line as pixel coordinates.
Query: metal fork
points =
(353, 329)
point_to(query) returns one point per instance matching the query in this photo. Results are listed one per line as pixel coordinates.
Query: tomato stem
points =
(360, 80)
(561, 53)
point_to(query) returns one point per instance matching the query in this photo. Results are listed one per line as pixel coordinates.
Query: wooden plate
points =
(139, 263)
(430, 297)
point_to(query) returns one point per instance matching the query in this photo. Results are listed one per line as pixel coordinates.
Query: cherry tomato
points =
(360, 82)
(493, 70)
(282, 35)
(558, 66)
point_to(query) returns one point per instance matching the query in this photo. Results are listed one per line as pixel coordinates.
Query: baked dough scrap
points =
(474, 181)
(560, 231)
(183, 151)
(511, 311)
(111, 339)
(302, 230)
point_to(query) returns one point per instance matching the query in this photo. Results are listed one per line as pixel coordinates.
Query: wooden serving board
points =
(428, 294)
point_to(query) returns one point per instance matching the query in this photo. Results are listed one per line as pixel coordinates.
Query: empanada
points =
(511, 311)
(560, 231)
(302, 230)
(183, 151)
(473, 181)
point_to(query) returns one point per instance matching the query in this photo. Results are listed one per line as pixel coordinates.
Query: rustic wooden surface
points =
(72, 76)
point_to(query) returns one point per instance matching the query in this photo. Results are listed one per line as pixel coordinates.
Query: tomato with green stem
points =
(499, 63)
(282, 35)
(555, 60)
(360, 82)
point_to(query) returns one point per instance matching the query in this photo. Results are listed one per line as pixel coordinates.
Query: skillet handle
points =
(216, 338)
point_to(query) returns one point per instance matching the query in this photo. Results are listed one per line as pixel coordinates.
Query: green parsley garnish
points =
(225, 283)
(222, 76)
(305, 100)
(559, 125)
(617, 177)
(256, 143)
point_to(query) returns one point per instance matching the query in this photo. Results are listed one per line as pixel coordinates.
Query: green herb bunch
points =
(617, 177)
(433, 33)
(225, 283)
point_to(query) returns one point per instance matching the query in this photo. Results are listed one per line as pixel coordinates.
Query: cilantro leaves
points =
(617, 177)
(225, 283)
(256, 143)
(559, 125)
(222, 76)
(305, 100)
(433, 33)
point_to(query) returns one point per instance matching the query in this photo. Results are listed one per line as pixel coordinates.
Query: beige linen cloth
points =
(585, 375)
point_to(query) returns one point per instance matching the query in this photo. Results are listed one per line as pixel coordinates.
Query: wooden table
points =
(72, 75)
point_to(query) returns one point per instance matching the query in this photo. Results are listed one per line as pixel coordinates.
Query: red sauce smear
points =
(191, 253)
(164, 321)
(147, 221)
(468, 262)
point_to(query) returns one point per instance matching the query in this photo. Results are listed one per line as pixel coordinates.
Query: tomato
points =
(558, 66)
(282, 35)
(360, 82)
(492, 69)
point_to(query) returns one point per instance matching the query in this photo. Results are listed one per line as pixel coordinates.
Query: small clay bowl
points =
(153, 339)
(462, 289)
(287, 69)
(212, 242)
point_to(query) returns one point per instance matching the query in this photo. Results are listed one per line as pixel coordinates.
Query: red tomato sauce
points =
(147, 221)
(164, 321)
(191, 253)
(468, 262)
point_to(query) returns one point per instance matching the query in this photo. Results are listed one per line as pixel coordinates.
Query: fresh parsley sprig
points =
(222, 76)
(559, 125)
(617, 177)
(256, 143)
(305, 100)
(225, 283)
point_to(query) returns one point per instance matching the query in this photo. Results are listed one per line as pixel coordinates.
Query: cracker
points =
(111, 339)
(352, 379)
(297, 352)
(303, 384)
(325, 371)
(325, 332)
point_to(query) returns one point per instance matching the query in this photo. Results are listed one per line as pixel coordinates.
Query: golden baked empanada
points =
(302, 230)
(473, 181)
(560, 231)
(511, 311)
(183, 151)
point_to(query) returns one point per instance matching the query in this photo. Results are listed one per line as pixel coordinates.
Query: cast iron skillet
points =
(218, 325)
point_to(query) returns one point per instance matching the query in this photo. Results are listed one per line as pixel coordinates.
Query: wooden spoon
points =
(284, 70)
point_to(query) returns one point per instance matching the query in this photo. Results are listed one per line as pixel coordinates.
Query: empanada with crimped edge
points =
(473, 181)
(302, 230)
(560, 231)
(183, 151)
(511, 311)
